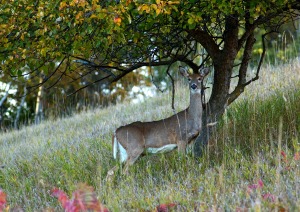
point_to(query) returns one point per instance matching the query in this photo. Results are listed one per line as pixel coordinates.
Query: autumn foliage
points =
(83, 199)
(2, 200)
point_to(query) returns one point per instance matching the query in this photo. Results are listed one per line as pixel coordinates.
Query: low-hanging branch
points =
(242, 80)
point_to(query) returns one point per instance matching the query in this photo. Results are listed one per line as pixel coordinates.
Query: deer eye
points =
(189, 79)
(199, 79)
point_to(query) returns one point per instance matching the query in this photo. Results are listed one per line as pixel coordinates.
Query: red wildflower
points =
(61, 196)
(83, 199)
(268, 196)
(297, 156)
(259, 184)
(284, 156)
(2, 200)
(165, 207)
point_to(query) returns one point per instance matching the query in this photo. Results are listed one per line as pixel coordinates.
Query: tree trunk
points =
(16, 126)
(223, 66)
(223, 62)
(6, 94)
(39, 113)
(216, 106)
(3, 100)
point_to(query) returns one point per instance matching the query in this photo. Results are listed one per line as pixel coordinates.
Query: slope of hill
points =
(246, 166)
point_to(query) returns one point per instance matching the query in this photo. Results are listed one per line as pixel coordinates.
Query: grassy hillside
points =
(252, 163)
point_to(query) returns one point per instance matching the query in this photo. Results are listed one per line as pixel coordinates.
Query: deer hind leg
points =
(134, 152)
(133, 156)
(111, 173)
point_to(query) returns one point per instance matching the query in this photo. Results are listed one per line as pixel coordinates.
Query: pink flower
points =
(165, 207)
(61, 196)
(269, 196)
(259, 184)
(83, 199)
(2, 200)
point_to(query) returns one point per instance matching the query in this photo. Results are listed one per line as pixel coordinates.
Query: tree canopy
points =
(71, 39)
(116, 37)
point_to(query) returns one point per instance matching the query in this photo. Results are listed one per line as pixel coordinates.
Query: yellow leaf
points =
(257, 8)
(3, 26)
(143, 8)
(129, 18)
(158, 11)
(4, 40)
(43, 52)
(93, 16)
(109, 40)
(190, 21)
(173, 2)
(72, 3)
(62, 5)
(79, 15)
(154, 6)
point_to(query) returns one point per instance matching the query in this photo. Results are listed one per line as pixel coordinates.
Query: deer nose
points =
(193, 86)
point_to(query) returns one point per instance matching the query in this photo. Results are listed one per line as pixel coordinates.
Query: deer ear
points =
(204, 71)
(183, 71)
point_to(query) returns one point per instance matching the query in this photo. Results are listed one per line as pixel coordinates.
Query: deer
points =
(178, 131)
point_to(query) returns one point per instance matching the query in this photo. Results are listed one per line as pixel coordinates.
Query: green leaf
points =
(19, 73)
(191, 21)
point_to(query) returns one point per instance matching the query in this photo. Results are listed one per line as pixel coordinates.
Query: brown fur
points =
(179, 129)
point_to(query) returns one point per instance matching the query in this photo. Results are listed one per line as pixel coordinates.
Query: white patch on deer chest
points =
(163, 149)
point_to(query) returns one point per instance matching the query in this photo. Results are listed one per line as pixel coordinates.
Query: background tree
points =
(114, 38)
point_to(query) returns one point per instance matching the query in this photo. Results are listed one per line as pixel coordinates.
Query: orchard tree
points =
(117, 37)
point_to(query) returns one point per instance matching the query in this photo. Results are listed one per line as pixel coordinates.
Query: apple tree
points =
(74, 38)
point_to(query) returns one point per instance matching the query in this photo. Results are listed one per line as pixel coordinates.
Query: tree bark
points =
(3, 100)
(223, 63)
(6, 94)
(39, 113)
(16, 126)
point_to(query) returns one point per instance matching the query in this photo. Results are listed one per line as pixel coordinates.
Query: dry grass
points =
(246, 149)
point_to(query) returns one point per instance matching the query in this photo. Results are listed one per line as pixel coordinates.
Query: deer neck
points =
(195, 108)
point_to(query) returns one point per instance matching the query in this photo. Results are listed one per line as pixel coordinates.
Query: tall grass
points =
(256, 141)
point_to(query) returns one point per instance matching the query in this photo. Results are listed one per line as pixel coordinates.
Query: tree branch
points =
(246, 58)
(242, 81)
(83, 87)
(206, 40)
(59, 78)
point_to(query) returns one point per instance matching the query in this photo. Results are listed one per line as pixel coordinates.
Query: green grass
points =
(247, 147)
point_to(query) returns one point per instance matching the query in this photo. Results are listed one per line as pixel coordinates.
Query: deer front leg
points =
(182, 147)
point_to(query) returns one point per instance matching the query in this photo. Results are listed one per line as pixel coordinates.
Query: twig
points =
(260, 60)
(83, 87)
(173, 86)
(154, 83)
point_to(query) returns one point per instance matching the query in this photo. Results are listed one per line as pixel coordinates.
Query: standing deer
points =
(131, 141)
